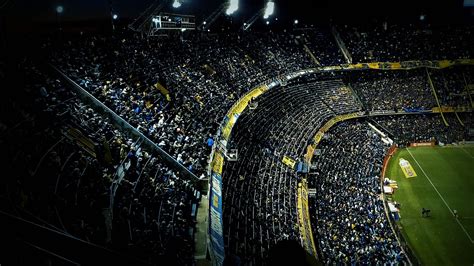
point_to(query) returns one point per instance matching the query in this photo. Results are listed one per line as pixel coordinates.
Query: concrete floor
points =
(200, 239)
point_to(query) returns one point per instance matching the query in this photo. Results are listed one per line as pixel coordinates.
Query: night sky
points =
(307, 9)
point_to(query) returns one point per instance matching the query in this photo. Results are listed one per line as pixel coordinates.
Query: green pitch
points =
(444, 182)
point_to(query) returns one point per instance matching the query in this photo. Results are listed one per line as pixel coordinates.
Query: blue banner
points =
(216, 222)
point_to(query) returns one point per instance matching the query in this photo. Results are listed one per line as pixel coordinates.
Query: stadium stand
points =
(80, 175)
(347, 207)
(394, 43)
(259, 190)
(102, 186)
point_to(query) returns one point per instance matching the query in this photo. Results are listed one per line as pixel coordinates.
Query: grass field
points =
(444, 182)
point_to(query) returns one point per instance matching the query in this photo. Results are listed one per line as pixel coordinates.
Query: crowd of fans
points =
(384, 42)
(78, 174)
(326, 50)
(347, 214)
(102, 186)
(259, 191)
(425, 128)
(452, 85)
(393, 90)
(201, 75)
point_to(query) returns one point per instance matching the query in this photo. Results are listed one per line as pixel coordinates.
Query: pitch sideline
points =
(439, 194)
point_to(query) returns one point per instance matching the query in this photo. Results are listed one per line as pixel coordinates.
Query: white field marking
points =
(462, 148)
(439, 194)
(467, 152)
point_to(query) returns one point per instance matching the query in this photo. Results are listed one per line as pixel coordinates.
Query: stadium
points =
(236, 132)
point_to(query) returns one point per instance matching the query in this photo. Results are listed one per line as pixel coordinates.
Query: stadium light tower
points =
(233, 6)
(176, 4)
(59, 9)
(269, 9)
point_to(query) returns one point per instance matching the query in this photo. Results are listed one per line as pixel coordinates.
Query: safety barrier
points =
(412, 259)
(216, 236)
(127, 128)
(319, 135)
(304, 221)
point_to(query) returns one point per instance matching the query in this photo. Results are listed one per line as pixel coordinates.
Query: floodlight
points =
(269, 9)
(176, 4)
(233, 6)
(59, 9)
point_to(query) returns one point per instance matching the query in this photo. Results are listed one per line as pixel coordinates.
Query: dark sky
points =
(81, 9)
(306, 11)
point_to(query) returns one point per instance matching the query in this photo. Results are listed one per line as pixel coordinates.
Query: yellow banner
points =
(309, 153)
(239, 107)
(288, 161)
(163, 91)
(217, 163)
(401, 65)
(407, 169)
(451, 109)
(303, 218)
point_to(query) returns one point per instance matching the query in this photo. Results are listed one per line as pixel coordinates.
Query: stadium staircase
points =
(459, 119)
(356, 96)
(308, 51)
(468, 89)
(341, 45)
(436, 97)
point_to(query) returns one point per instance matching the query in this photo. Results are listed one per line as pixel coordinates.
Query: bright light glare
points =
(269, 9)
(233, 6)
(115, 16)
(176, 4)
(268, 22)
(59, 9)
(204, 23)
(296, 21)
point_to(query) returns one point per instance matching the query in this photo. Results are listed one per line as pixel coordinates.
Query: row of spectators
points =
(393, 90)
(201, 75)
(347, 214)
(348, 217)
(386, 42)
(77, 173)
(259, 191)
(425, 128)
